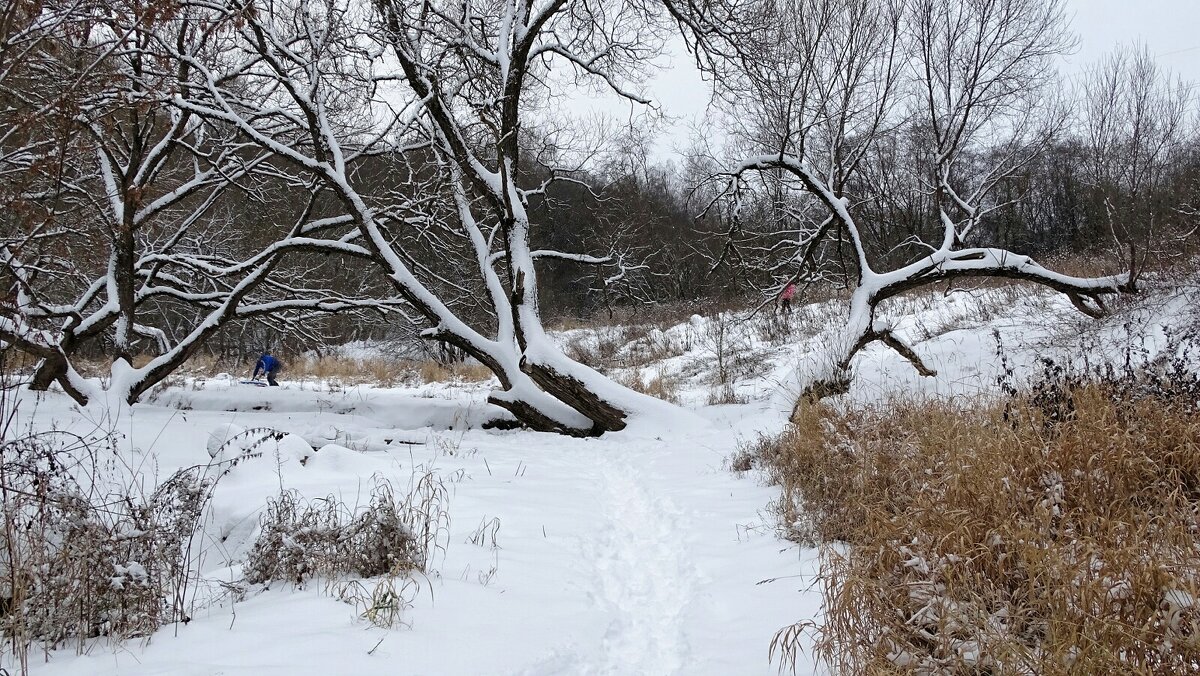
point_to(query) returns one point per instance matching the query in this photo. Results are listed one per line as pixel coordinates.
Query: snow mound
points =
(221, 435)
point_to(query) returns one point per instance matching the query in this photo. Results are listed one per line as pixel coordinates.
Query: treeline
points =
(186, 176)
(1117, 184)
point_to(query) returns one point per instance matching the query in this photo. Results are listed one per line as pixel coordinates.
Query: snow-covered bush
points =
(1052, 532)
(658, 384)
(327, 540)
(604, 347)
(85, 554)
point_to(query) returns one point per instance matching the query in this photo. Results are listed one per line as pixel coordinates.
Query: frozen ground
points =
(633, 554)
(636, 553)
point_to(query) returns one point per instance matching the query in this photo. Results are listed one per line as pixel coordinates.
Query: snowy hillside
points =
(639, 552)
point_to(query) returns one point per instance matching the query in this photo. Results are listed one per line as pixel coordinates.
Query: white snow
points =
(634, 553)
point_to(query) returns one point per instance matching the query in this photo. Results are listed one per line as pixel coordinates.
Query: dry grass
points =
(346, 371)
(15, 361)
(965, 309)
(720, 395)
(659, 384)
(1092, 264)
(622, 346)
(393, 534)
(383, 372)
(462, 372)
(662, 314)
(364, 555)
(1046, 535)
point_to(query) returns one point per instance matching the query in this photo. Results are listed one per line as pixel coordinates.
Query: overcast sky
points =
(1168, 27)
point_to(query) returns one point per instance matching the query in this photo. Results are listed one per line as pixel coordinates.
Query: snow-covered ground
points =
(635, 553)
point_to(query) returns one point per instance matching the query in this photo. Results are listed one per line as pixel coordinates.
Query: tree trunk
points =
(577, 395)
(123, 274)
(48, 370)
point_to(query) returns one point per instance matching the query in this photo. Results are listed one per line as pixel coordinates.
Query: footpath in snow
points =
(636, 553)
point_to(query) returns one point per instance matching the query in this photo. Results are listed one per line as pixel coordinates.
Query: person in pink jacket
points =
(785, 298)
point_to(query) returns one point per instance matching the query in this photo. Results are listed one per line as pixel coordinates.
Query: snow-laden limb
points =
(509, 44)
(946, 262)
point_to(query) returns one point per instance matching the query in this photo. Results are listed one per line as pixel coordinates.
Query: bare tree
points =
(447, 85)
(133, 213)
(837, 85)
(1135, 127)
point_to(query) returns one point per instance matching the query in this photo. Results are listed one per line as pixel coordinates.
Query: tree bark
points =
(575, 393)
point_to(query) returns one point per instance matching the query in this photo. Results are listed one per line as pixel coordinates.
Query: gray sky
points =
(1167, 27)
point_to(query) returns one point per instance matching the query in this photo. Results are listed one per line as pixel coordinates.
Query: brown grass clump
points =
(384, 372)
(334, 369)
(14, 361)
(471, 372)
(1033, 537)
(393, 534)
(364, 554)
(463, 372)
(659, 385)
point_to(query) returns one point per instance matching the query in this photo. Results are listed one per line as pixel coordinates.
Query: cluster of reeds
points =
(1055, 531)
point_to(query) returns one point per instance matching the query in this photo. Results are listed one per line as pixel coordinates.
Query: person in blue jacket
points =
(268, 365)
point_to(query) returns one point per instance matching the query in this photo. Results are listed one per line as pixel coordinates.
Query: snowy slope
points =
(635, 553)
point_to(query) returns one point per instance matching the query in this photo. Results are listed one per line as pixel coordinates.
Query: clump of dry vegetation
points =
(84, 555)
(463, 372)
(660, 384)
(364, 555)
(384, 372)
(1054, 532)
(348, 371)
(626, 346)
(91, 550)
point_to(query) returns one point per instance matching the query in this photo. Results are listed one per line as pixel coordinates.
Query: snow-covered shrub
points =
(775, 328)
(1052, 533)
(659, 384)
(804, 321)
(365, 556)
(392, 536)
(85, 553)
(603, 347)
(748, 454)
(655, 345)
(728, 355)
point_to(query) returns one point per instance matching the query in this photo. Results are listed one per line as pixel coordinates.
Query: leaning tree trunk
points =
(1085, 293)
(606, 416)
(542, 360)
(519, 395)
